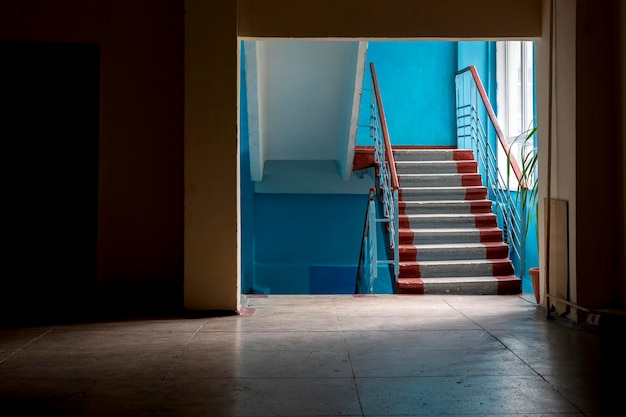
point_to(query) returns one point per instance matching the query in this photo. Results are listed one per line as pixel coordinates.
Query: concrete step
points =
(453, 251)
(432, 154)
(436, 236)
(440, 180)
(436, 167)
(456, 268)
(442, 193)
(445, 207)
(478, 285)
(435, 221)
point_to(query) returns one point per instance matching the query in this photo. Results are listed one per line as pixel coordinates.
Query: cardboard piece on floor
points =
(558, 284)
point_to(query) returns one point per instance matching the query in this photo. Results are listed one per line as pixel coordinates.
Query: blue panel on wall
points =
(332, 279)
(281, 279)
(296, 229)
(302, 231)
(416, 79)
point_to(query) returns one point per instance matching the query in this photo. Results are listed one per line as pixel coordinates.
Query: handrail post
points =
(373, 246)
(396, 241)
(367, 270)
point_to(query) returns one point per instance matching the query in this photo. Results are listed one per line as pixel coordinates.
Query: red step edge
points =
(463, 154)
(467, 167)
(509, 285)
(410, 286)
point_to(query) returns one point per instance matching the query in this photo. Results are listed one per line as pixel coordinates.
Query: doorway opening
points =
(50, 120)
(290, 236)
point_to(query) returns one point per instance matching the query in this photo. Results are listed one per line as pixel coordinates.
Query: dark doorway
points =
(49, 121)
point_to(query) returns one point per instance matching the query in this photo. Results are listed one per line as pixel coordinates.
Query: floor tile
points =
(268, 340)
(406, 322)
(263, 364)
(260, 397)
(424, 339)
(460, 395)
(435, 362)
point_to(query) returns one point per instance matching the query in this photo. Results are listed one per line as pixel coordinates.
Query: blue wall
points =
(416, 80)
(307, 243)
(532, 256)
(483, 56)
(531, 251)
(310, 244)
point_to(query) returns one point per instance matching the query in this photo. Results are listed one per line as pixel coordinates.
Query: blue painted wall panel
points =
(532, 256)
(297, 233)
(416, 79)
(281, 278)
(300, 228)
(332, 279)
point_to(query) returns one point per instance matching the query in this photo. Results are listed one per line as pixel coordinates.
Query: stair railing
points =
(367, 271)
(387, 178)
(477, 129)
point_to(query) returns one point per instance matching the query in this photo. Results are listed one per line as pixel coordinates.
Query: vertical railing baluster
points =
(387, 179)
(373, 245)
(470, 105)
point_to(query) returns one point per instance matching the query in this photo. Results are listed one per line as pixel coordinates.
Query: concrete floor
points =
(320, 356)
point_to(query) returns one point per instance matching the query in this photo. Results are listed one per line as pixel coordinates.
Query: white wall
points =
(307, 90)
(303, 102)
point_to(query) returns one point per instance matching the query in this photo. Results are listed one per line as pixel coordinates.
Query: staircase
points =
(449, 239)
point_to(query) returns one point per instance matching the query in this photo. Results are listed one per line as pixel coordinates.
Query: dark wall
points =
(139, 258)
(598, 185)
(49, 98)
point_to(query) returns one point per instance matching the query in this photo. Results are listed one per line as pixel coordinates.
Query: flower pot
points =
(534, 279)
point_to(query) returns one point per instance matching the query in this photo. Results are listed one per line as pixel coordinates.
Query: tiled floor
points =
(320, 356)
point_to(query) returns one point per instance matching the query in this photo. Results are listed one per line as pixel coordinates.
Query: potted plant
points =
(526, 197)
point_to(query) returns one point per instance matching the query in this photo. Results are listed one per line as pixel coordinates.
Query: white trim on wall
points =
(356, 107)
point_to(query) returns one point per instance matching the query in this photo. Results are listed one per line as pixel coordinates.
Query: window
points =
(515, 96)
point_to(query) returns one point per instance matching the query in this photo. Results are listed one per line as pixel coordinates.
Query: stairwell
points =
(449, 239)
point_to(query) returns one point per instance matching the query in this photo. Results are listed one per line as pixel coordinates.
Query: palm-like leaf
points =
(527, 186)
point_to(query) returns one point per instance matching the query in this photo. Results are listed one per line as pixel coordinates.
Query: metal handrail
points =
(387, 174)
(471, 102)
(395, 184)
(367, 270)
(494, 120)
